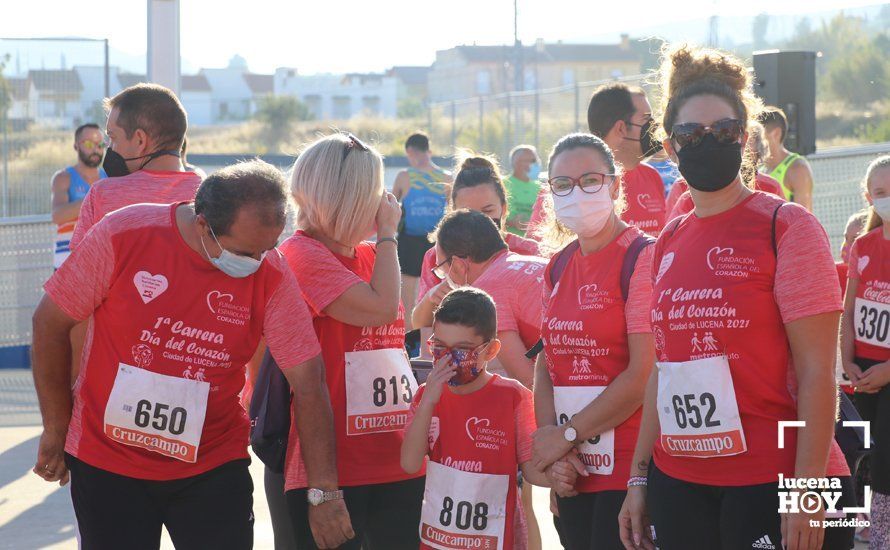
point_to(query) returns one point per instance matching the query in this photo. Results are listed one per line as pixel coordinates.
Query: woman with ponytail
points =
(865, 338)
(745, 309)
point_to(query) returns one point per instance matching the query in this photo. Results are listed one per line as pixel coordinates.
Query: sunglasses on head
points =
(691, 134)
(353, 143)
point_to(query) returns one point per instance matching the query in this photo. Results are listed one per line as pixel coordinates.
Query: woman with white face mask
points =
(598, 347)
(865, 342)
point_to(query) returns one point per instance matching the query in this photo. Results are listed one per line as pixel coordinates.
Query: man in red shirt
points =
(622, 117)
(153, 432)
(146, 129)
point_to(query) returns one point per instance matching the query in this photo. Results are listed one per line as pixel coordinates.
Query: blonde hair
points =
(554, 235)
(689, 71)
(337, 187)
(874, 220)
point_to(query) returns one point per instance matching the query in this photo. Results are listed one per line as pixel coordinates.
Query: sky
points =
(338, 36)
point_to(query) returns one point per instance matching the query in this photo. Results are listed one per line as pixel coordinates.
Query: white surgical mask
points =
(584, 213)
(232, 265)
(882, 207)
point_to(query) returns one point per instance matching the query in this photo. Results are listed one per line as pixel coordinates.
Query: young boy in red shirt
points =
(477, 432)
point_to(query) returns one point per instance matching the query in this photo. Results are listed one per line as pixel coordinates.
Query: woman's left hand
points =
(549, 446)
(874, 378)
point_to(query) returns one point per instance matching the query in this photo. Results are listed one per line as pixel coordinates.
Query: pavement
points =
(36, 514)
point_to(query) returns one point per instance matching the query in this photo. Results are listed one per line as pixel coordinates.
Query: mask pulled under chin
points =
(115, 165)
(710, 165)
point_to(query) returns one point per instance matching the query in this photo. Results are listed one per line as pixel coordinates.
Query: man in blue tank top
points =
(423, 191)
(70, 186)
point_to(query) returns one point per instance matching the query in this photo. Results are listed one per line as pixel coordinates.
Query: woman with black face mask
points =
(744, 315)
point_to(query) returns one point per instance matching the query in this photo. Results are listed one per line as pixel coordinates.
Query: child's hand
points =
(564, 473)
(442, 372)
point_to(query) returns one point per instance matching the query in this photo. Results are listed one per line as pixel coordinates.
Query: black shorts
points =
(411, 251)
(589, 521)
(875, 408)
(209, 510)
(689, 515)
(385, 516)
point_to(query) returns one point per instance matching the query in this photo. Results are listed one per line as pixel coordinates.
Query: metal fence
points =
(26, 243)
(496, 123)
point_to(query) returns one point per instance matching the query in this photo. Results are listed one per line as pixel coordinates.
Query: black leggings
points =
(278, 510)
(589, 521)
(384, 516)
(689, 515)
(209, 510)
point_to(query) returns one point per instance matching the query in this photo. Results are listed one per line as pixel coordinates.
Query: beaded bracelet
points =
(637, 481)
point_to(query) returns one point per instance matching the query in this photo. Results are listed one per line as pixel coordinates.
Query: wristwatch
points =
(317, 496)
(570, 433)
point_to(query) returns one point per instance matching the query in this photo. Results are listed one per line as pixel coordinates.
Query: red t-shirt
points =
(644, 193)
(517, 244)
(585, 332)
(719, 288)
(514, 283)
(503, 412)
(870, 266)
(537, 217)
(366, 458)
(152, 186)
(679, 199)
(160, 306)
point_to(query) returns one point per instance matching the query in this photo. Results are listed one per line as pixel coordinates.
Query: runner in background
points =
(153, 433)
(666, 168)
(598, 348)
(471, 252)
(477, 186)
(865, 343)
(71, 185)
(423, 191)
(791, 170)
(522, 187)
(679, 200)
(745, 267)
(146, 127)
(352, 288)
(622, 117)
(470, 493)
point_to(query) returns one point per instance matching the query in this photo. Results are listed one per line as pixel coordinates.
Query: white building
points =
(340, 97)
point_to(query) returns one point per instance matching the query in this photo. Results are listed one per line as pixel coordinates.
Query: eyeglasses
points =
(690, 134)
(353, 143)
(439, 270)
(438, 349)
(90, 144)
(590, 182)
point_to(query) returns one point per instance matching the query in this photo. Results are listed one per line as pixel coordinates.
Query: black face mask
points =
(710, 165)
(115, 165)
(648, 144)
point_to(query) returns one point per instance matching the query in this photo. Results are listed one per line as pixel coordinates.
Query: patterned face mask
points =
(466, 361)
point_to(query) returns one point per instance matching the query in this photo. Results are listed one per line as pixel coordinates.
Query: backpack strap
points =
(773, 230)
(630, 262)
(560, 261)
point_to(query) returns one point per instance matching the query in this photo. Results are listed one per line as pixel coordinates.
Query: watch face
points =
(571, 434)
(315, 497)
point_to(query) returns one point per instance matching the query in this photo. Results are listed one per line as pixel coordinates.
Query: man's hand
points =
(438, 292)
(51, 458)
(330, 524)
